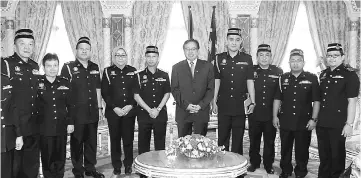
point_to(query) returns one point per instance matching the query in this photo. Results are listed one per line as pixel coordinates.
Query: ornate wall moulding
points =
(244, 7)
(117, 7)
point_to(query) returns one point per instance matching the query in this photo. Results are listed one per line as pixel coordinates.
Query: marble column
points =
(352, 51)
(254, 41)
(10, 35)
(128, 37)
(106, 34)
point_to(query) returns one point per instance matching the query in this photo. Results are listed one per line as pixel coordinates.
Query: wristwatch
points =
(159, 108)
(314, 119)
(351, 125)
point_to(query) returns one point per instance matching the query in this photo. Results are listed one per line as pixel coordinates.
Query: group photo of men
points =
(39, 111)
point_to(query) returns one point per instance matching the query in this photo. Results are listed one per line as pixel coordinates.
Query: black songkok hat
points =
(234, 31)
(83, 40)
(24, 33)
(264, 47)
(151, 49)
(335, 47)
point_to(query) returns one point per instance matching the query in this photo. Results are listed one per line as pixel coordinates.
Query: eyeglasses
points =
(191, 49)
(333, 56)
(120, 55)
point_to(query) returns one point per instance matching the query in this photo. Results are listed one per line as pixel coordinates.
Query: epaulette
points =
(69, 62)
(349, 68)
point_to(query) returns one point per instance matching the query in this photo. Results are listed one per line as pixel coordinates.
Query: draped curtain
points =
(150, 25)
(328, 21)
(276, 22)
(37, 16)
(202, 15)
(84, 18)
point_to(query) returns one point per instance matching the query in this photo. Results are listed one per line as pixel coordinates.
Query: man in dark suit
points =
(192, 86)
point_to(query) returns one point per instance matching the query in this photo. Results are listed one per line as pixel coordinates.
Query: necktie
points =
(192, 68)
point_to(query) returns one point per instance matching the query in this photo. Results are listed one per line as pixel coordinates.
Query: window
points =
(59, 41)
(173, 47)
(301, 39)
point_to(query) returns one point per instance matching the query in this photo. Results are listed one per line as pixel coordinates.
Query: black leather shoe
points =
(285, 175)
(252, 168)
(117, 171)
(128, 170)
(95, 174)
(79, 176)
(270, 170)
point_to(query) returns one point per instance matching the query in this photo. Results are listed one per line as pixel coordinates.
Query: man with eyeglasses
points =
(266, 78)
(84, 77)
(298, 95)
(233, 80)
(192, 87)
(119, 81)
(339, 90)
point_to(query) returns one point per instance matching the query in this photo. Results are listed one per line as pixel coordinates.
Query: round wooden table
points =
(156, 164)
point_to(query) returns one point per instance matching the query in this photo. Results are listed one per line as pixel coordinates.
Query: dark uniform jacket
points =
(336, 86)
(152, 88)
(234, 73)
(9, 116)
(198, 90)
(297, 95)
(117, 89)
(84, 82)
(265, 83)
(54, 106)
(24, 78)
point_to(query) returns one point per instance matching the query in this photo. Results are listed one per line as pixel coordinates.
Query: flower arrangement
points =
(194, 146)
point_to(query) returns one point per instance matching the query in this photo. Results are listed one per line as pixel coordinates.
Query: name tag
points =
(160, 80)
(94, 72)
(63, 88)
(241, 63)
(273, 76)
(35, 72)
(305, 82)
(130, 73)
(337, 76)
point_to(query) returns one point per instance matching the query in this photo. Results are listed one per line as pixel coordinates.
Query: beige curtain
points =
(328, 23)
(202, 15)
(84, 18)
(150, 25)
(38, 16)
(276, 22)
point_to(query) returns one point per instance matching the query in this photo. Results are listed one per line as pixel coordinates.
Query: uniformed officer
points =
(339, 90)
(54, 105)
(298, 92)
(233, 79)
(23, 71)
(152, 93)
(11, 136)
(260, 122)
(84, 77)
(118, 84)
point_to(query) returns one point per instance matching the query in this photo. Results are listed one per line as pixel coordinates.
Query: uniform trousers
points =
(121, 129)
(302, 139)
(83, 143)
(53, 154)
(226, 123)
(256, 129)
(159, 127)
(332, 152)
(27, 160)
(7, 159)
(185, 128)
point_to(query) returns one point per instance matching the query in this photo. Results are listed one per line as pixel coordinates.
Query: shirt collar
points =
(194, 61)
